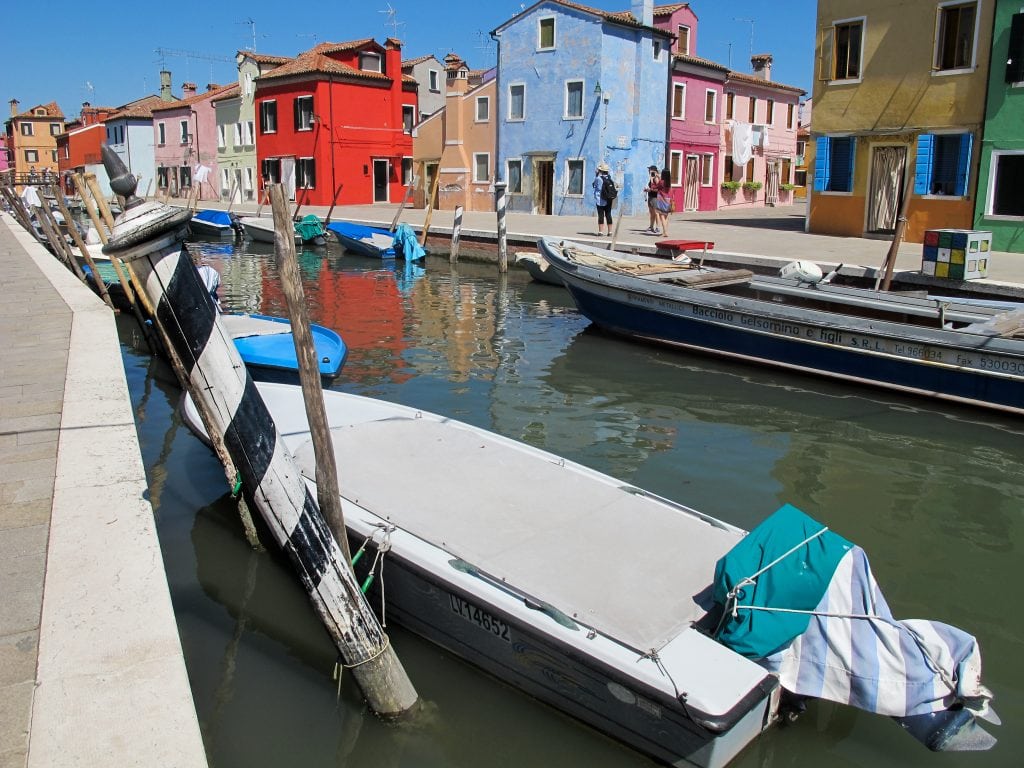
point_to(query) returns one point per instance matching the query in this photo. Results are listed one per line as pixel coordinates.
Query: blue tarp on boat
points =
(407, 244)
(213, 217)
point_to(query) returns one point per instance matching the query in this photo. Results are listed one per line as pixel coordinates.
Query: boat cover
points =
(405, 240)
(309, 228)
(841, 641)
(213, 217)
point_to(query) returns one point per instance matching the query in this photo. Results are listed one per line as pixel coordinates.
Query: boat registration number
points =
(482, 619)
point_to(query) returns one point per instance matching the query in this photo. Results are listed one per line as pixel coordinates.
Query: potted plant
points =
(730, 187)
(751, 187)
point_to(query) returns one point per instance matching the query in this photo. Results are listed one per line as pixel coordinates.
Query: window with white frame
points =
(305, 173)
(303, 108)
(247, 181)
(675, 167)
(183, 126)
(730, 105)
(238, 135)
(514, 176)
(270, 170)
(1006, 184)
(225, 181)
(162, 177)
(161, 134)
(574, 177)
(573, 100)
(184, 176)
(517, 101)
(406, 171)
(26, 129)
(249, 135)
(683, 43)
(481, 167)
(483, 109)
(842, 50)
(53, 155)
(268, 116)
(790, 115)
(678, 101)
(770, 116)
(434, 80)
(248, 83)
(955, 36)
(55, 129)
(707, 169)
(833, 163)
(752, 110)
(943, 164)
(31, 156)
(546, 33)
(222, 131)
(369, 62)
(710, 106)
(408, 117)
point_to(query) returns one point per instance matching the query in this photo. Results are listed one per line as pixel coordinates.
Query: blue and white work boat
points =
(377, 242)
(267, 347)
(309, 231)
(964, 353)
(527, 580)
(214, 223)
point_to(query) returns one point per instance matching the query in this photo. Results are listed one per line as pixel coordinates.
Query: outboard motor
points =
(236, 225)
(802, 271)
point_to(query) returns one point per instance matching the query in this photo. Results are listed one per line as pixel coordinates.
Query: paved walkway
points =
(91, 668)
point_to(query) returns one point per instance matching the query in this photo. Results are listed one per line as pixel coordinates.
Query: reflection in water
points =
(933, 493)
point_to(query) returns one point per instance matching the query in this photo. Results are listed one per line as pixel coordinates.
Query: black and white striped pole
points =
(499, 206)
(149, 236)
(456, 234)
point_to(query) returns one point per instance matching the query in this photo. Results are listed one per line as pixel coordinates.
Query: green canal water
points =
(933, 493)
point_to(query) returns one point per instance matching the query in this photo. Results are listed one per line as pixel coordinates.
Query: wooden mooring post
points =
(499, 207)
(453, 256)
(430, 209)
(83, 249)
(83, 192)
(401, 208)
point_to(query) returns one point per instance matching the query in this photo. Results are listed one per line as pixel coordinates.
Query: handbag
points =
(664, 204)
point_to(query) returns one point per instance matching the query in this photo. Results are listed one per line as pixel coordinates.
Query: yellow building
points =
(32, 138)
(899, 104)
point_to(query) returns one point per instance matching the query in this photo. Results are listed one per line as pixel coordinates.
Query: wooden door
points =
(691, 192)
(544, 186)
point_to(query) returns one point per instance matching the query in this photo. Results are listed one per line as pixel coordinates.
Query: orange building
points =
(32, 138)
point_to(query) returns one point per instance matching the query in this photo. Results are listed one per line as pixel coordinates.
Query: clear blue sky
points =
(109, 59)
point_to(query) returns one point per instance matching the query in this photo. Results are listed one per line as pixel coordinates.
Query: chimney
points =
(393, 69)
(211, 87)
(762, 65)
(165, 85)
(643, 11)
(188, 90)
(14, 107)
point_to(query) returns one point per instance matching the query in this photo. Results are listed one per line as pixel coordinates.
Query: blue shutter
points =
(963, 164)
(923, 170)
(821, 163)
(841, 170)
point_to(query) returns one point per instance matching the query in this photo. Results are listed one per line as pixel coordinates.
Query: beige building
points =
(457, 145)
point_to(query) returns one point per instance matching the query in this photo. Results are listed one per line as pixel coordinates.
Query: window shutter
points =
(828, 36)
(963, 164)
(841, 170)
(295, 111)
(821, 163)
(1015, 54)
(923, 169)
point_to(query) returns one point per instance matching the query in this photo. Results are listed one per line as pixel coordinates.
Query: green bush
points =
(787, 187)
(730, 186)
(752, 186)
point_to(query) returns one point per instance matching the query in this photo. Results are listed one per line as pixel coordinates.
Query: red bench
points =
(677, 248)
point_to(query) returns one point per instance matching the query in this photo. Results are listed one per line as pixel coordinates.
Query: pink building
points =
(185, 141)
(759, 140)
(5, 161)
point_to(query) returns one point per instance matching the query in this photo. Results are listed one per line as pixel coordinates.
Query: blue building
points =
(578, 86)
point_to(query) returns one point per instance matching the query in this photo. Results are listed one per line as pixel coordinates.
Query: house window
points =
(770, 119)
(303, 107)
(238, 135)
(433, 80)
(546, 34)
(728, 169)
(270, 170)
(221, 136)
(406, 171)
(369, 62)
(707, 169)
(678, 101)
(1015, 57)
(943, 164)
(53, 155)
(161, 177)
(954, 40)
(710, 106)
(31, 156)
(790, 114)
(787, 171)
(161, 134)
(55, 129)
(408, 117)
(833, 164)
(305, 173)
(675, 166)
(574, 177)
(481, 167)
(183, 129)
(515, 176)
(752, 112)
(1007, 196)
(801, 149)
(249, 137)
(225, 181)
(248, 83)
(483, 109)
(26, 129)
(847, 41)
(517, 102)
(248, 183)
(683, 43)
(185, 177)
(750, 170)
(268, 117)
(657, 50)
(574, 100)
(730, 105)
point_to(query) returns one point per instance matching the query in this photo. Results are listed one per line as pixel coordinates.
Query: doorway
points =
(429, 174)
(544, 186)
(771, 183)
(380, 181)
(886, 188)
(691, 191)
(288, 176)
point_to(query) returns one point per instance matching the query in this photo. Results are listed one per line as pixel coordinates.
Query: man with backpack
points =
(605, 193)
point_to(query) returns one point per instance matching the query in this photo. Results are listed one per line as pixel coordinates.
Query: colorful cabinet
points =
(957, 254)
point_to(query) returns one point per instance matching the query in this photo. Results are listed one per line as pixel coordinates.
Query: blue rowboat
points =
(364, 240)
(963, 353)
(213, 223)
(267, 347)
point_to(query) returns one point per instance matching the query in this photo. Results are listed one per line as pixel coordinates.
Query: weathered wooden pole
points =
(405, 202)
(60, 244)
(52, 237)
(83, 249)
(149, 236)
(83, 193)
(456, 234)
(615, 235)
(21, 213)
(897, 238)
(101, 202)
(430, 209)
(334, 201)
(499, 206)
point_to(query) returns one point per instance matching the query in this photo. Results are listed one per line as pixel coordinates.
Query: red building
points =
(337, 120)
(78, 148)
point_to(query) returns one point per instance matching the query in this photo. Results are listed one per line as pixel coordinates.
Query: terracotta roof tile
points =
(141, 108)
(229, 92)
(417, 60)
(317, 61)
(265, 58)
(702, 62)
(668, 10)
(755, 80)
(195, 99)
(618, 17)
(51, 109)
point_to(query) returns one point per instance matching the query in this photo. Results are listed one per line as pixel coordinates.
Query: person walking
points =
(602, 200)
(664, 200)
(653, 179)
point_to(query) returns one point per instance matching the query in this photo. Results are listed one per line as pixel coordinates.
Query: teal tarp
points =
(309, 227)
(405, 242)
(797, 581)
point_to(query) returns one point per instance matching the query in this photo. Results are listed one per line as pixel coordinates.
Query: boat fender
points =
(804, 271)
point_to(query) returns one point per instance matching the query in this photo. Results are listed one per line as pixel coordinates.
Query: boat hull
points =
(271, 356)
(754, 331)
(359, 239)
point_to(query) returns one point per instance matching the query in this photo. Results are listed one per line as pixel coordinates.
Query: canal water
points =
(933, 493)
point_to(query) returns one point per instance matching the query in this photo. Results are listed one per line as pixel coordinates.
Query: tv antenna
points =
(313, 35)
(251, 23)
(484, 42)
(392, 20)
(89, 89)
(751, 23)
(164, 53)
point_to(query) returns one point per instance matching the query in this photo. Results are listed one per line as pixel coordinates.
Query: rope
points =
(340, 666)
